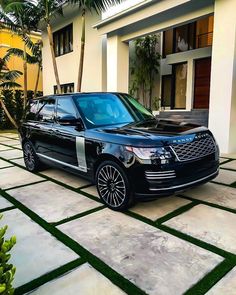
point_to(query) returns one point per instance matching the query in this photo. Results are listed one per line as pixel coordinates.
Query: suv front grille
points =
(195, 149)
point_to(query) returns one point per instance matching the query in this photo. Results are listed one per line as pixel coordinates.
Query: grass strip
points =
(98, 264)
(48, 277)
(207, 282)
(79, 215)
(210, 204)
(23, 185)
(177, 212)
(7, 209)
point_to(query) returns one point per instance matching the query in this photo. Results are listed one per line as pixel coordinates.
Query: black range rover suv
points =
(112, 140)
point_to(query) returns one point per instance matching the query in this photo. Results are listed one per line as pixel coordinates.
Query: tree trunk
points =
(37, 82)
(8, 114)
(49, 30)
(81, 62)
(25, 77)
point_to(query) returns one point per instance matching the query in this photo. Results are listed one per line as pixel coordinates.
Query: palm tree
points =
(34, 58)
(7, 80)
(84, 6)
(22, 18)
(49, 9)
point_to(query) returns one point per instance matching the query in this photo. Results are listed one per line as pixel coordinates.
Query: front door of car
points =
(41, 131)
(66, 148)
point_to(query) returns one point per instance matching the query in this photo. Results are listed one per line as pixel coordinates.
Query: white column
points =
(190, 85)
(117, 64)
(222, 113)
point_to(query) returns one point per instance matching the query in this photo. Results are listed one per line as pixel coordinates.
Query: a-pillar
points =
(222, 113)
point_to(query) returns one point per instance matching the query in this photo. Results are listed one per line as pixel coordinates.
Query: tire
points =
(113, 186)
(32, 162)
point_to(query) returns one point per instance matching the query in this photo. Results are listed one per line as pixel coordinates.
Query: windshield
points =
(103, 109)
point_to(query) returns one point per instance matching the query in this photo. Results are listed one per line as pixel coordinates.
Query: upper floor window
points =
(63, 40)
(65, 88)
(194, 35)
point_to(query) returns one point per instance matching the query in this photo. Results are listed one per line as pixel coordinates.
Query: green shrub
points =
(7, 271)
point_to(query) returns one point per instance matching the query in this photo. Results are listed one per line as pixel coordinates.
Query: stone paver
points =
(92, 190)
(214, 193)
(212, 225)
(226, 286)
(11, 154)
(222, 160)
(226, 177)
(155, 261)
(15, 176)
(159, 208)
(84, 280)
(36, 251)
(10, 135)
(65, 177)
(229, 156)
(20, 162)
(3, 139)
(4, 164)
(51, 201)
(230, 165)
(12, 142)
(4, 203)
(4, 148)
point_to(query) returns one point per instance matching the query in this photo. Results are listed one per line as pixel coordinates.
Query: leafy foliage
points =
(7, 271)
(7, 77)
(144, 68)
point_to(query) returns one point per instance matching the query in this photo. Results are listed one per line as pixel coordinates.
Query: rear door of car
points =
(41, 130)
(64, 136)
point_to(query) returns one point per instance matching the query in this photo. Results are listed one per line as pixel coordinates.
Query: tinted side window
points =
(65, 107)
(46, 110)
(33, 108)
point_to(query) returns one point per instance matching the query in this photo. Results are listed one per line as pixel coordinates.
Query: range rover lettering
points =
(113, 141)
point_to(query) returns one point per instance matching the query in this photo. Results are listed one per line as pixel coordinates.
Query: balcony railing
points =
(204, 40)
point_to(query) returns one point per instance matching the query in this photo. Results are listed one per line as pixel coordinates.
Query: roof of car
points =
(77, 93)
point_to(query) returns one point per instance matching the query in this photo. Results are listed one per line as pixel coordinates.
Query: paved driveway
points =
(69, 243)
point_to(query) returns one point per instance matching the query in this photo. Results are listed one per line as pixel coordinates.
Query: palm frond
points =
(11, 75)
(97, 5)
(9, 85)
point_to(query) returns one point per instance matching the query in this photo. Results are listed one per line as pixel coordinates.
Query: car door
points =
(66, 138)
(41, 131)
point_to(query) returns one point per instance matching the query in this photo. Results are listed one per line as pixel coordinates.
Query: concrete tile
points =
(15, 176)
(11, 142)
(4, 148)
(92, 190)
(65, 177)
(211, 225)
(4, 164)
(4, 203)
(36, 251)
(226, 286)
(155, 261)
(226, 177)
(84, 280)
(18, 146)
(159, 208)
(3, 139)
(11, 154)
(20, 162)
(214, 193)
(229, 156)
(51, 201)
(10, 135)
(230, 165)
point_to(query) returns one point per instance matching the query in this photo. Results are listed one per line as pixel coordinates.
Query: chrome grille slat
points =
(195, 149)
(160, 175)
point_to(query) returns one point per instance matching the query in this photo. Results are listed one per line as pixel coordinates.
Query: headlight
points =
(150, 153)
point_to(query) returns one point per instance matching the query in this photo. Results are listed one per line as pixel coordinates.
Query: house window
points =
(194, 35)
(65, 88)
(63, 40)
(166, 90)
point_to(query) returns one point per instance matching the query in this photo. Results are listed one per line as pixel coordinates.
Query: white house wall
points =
(68, 64)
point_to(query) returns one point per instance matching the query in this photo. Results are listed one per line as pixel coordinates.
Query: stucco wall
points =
(68, 64)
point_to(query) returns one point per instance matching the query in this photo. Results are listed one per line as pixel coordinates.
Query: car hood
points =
(148, 133)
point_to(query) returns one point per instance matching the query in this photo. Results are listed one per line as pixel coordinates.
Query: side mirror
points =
(68, 120)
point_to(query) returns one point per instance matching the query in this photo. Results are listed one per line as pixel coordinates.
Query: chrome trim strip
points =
(160, 172)
(59, 162)
(160, 177)
(80, 152)
(182, 185)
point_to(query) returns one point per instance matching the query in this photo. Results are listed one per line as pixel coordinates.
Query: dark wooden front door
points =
(202, 83)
